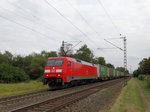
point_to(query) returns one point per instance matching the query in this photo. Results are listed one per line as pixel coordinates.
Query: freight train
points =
(62, 72)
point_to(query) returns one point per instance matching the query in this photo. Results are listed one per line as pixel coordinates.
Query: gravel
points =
(96, 102)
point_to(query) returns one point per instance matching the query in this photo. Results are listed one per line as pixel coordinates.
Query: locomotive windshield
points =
(55, 62)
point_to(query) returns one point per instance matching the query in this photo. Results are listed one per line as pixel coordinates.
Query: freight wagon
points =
(111, 73)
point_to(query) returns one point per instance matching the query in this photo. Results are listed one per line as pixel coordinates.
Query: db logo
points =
(53, 70)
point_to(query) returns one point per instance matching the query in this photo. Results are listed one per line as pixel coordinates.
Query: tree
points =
(136, 72)
(110, 65)
(84, 53)
(9, 73)
(27, 63)
(18, 61)
(95, 61)
(144, 66)
(6, 57)
(33, 64)
(122, 69)
(2, 58)
(36, 68)
(49, 54)
(101, 60)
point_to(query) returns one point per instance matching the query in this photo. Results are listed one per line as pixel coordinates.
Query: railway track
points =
(17, 98)
(13, 102)
(9, 99)
(59, 102)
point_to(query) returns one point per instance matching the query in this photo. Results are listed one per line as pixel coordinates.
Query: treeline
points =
(16, 68)
(22, 68)
(144, 67)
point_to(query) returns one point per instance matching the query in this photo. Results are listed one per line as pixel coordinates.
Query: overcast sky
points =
(28, 26)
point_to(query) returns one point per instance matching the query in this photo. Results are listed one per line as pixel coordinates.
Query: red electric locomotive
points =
(64, 71)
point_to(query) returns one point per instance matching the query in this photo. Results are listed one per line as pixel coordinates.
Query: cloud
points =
(131, 18)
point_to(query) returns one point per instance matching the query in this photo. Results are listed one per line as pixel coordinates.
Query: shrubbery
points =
(16, 68)
(141, 77)
(148, 82)
(9, 73)
(145, 78)
(40, 79)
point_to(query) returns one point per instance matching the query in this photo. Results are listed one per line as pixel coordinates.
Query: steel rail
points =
(61, 101)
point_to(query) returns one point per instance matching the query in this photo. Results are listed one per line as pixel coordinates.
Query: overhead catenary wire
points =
(49, 4)
(36, 17)
(113, 45)
(105, 48)
(83, 18)
(112, 38)
(109, 17)
(28, 28)
(26, 18)
(76, 44)
(24, 10)
(50, 28)
(114, 25)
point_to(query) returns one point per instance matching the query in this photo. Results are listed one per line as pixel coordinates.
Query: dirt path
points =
(146, 103)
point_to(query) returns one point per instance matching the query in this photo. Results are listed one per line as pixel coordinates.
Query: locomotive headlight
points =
(46, 75)
(59, 70)
(59, 75)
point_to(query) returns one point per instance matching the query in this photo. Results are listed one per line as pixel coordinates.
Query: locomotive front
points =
(53, 73)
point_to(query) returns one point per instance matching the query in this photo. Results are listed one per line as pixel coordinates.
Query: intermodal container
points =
(103, 71)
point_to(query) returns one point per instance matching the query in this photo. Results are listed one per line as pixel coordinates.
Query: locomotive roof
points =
(75, 60)
(58, 57)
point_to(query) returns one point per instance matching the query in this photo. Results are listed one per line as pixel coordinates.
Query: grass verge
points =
(18, 88)
(129, 99)
(145, 88)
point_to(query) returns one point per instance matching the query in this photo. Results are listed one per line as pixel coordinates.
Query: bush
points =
(40, 79)
(146, 77)
(148, 82)
(36, 67)
(9, 73)
(141, 77)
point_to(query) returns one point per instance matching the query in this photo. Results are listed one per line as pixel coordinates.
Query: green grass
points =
(145, 89)
(18, 88)
(129, 99)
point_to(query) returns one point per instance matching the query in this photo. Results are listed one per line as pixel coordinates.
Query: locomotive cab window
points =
(55, 62)
(69, 63)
